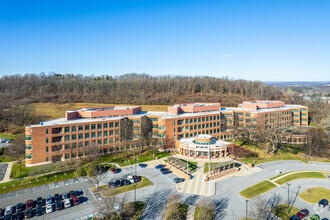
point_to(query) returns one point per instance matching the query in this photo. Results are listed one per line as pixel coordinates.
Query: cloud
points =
(222, 57)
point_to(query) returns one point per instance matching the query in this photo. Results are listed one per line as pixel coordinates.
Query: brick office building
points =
(66, 138)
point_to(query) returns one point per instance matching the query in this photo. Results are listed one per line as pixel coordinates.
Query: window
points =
(111, 133)
(203, 119)
(47, 140)
(87, 136)
(80, 144)
(67, 130)
(73, 128)
(28, 156)
(86, 127)
(74, 137)
(136, 121)
(46, 131)
(154, 119)
(28, 147)
(67, 147)
(67, 138)
(80, 128)
(117, 132)
(81, 136)
(105, 141)
(47, 159)
(111, 124)
(105, 125)
(111, 140)
(199, 119)
(247, 114)
(99, 126)
(74, 146)
(47, 149)
(93, 135)
(303, 109)
(187, 121)
(93, 127)
(74, 155)
(67, 156)
(161, 135)
(105, 133)
(161, 127)
(28, 137)
(116, 124)
(99, 134)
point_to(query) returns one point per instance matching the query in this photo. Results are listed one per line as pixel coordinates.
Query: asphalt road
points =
(3, 168)
(229, 204)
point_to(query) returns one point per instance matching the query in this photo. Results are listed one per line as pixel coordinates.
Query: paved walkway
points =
(191, 212)
(7, 174)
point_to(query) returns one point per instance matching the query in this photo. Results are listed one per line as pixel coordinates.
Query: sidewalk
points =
(7, 174)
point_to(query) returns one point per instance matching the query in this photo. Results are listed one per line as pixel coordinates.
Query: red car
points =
(75, 200)
(29, 204)
(113, 170)
(302, 213)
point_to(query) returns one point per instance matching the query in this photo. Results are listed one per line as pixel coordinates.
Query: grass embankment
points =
(139, 206)
(110, 192)
(192, 165)
(314, 195)
(206, 167)
(200, 213)
(32, 182)
(281, 211)
(24, 170)
(5, 159)
(257, 189)
(302, 175)
(8, 135)
(52, 110)
(176, 211)
(282, 174)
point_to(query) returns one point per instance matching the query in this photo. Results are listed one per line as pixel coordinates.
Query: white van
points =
(67, 203)
(9, 210)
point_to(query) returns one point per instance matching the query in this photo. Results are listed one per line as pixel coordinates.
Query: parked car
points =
(49, 199)
(323, 203)
(9, 210)
(58, 206)
(324, 219)
(39, 211)
(29, 204)
(112, 185)
(67, 203)
(178, 180)
(163, 169)
(166, 172)
(17, 216)
(49, 208)
(114, 170)
(57, 198)
(130, 178)
(2, 212)
(126, 182)
(315, 217)
(137, 178)
(40, 201)
(159, 166)
(294, 217)
(143, 165)
(72, 193)
(75, 200)
(65, 196)
(119, 183)
(28, 213)
(19, 207)
(302, 213)
(7, 217)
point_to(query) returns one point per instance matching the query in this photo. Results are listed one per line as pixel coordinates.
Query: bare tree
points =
(206, 209)
(17, 150)
(262, 209)
(95, 174)
(106, 208)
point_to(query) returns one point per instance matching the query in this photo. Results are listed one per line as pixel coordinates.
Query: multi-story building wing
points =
(114, 129)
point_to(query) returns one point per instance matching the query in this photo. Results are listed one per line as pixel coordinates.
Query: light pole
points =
(246, 209)
(135, 183)
(288, 197)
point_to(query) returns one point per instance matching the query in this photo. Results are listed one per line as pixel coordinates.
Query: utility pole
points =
(288, 197)
(246, 209)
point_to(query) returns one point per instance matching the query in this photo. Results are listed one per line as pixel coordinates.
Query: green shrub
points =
(81, 171)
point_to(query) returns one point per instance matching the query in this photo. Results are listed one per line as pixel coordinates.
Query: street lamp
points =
(246, 209)
(288, 197)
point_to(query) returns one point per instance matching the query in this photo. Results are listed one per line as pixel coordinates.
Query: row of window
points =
(87, 127)
(197, 120)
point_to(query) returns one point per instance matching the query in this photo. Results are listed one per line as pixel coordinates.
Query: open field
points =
(52, 110)
(302, 175)
(281, 211)
(257, 189)
(315, 194)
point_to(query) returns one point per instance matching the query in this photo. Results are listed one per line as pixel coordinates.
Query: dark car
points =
(142, 165)
(40, 201)
(294, 217)
(119, 183)
(29, 204)
(19, 207)
(159, 166)
(324, 219)
(137, 178)
(2, 212)
(65, 196)
(58, 206)
(72, 193)
(75, 200)
(39, 211)
(126, 182)
(112, 185)
(166, 172)
(57, 198)
(163, 169)
(323, 203)
(178, 180)
(17, 216)
(7, 217)
(302, 213)
(28, 213)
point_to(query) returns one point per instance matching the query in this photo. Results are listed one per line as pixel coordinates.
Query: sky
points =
(267, 40)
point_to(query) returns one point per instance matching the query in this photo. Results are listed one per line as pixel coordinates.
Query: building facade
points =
(105, 128)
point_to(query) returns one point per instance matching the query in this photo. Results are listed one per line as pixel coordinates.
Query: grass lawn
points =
(302, 175)
(314, 195)
(199, 212)
(182, 209)
(281, 211)
(120, 158)
(32, 182)
(24, 170)
(108, 192)
(52, 110)
(8, 135)
(4, 159)
(139, 208)
(192, 165)
(274, 177)
(206, 167)
(257, 189)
